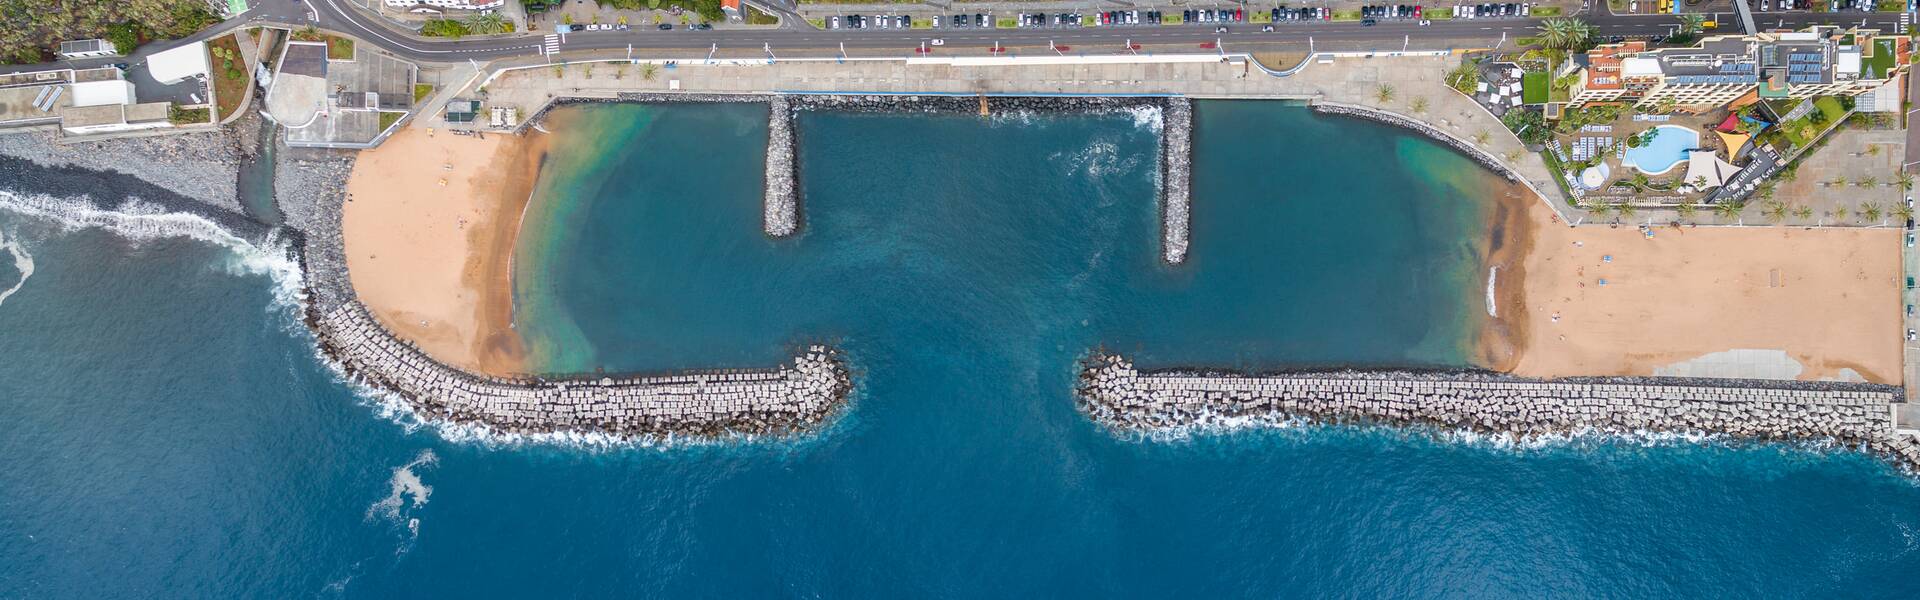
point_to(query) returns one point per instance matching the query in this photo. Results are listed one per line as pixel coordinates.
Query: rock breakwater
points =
(716, 404)
(1116, 395)
(1475, 152)
(1176, 173)
(782, 203)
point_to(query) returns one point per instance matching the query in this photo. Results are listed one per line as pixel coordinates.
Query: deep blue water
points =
(165, 429)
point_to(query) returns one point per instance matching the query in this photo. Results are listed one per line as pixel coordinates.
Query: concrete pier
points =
(1115, 394)
(788, 399)
(1176, 173)
(782, 203)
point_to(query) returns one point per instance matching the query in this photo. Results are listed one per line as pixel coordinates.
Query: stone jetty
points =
(1115, 394)
(782, 204)
(1478, 154)
(715, 404)
(1176, 172)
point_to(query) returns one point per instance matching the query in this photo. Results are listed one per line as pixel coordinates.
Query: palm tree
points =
(1803, 212)
(1480, 139)
(1900, 212)
(1686, 211)
(1691, 24)
(1419, 104)
(1384, 94)
(1775, 211)
(647, 71)
(1729, 209)
(1625, 210)
(1904, 179)
(1840, 213)
(487, 23)
(1568, 35)
(1789, 174)
(1870, 212)
(1869, 181)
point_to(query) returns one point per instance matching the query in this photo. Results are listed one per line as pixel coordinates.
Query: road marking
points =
(552, 45)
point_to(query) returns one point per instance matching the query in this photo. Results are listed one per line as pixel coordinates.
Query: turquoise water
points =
(166, 431)
(1668, 147)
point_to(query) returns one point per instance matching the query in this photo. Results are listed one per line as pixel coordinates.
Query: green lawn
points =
(388, 118)
(1438, 15)
(1259, 16)
(817, 22)
(1006, 23)
(339, 48)
(1546, 11)
(1346, 15)
(421, 91)
(1169, 19)
(1535, 87)
(1882, 60)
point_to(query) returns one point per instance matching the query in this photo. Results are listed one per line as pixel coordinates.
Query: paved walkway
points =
(1414, 83)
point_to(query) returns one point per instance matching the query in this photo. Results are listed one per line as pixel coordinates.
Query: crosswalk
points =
(1906, 22)
(552, 44)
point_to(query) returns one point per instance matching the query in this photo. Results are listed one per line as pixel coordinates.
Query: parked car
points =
(666, 26)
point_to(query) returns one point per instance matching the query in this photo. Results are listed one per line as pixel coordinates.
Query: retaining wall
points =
(1117, 395)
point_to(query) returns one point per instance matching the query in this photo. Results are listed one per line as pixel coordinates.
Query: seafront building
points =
(1819, 61)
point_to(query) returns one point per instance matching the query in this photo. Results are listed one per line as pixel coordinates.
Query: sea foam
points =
(22, 262)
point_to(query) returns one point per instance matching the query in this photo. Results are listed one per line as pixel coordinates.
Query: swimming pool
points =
(1669, 146)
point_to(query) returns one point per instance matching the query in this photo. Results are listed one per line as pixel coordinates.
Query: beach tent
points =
(1706, 164)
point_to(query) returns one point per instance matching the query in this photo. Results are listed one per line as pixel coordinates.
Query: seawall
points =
(1476, 153)
(1118, 396)
(782, 204)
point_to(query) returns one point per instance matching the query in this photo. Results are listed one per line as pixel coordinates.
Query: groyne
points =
(1176, 172)
(1116, 395)
(782, 204)
(708, 404)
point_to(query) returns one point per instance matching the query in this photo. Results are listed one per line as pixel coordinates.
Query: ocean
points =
(169, 431)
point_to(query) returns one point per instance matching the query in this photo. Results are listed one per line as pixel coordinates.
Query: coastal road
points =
(341, 16)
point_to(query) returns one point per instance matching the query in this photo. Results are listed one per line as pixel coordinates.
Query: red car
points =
(1239, 15)
(1416, 11)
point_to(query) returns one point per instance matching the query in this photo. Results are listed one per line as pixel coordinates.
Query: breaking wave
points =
(138, 222)
(22, 262)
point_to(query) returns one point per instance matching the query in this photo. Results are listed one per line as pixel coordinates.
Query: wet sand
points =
(1503, 336)
(430, 227)
(1828, 298)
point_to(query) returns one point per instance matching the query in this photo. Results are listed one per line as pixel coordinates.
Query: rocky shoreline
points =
(1124, 399)
(194, 173)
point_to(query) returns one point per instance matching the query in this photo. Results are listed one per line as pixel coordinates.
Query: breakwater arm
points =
(1115, 394)
(1176, 173)
(794, 397)
(782, 203)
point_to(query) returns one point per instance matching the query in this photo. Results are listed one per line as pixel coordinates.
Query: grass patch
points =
(230, 76)
(1346, 15)
(339, 48)
(1006, 23)
(1546, 11)
(921, 23)
(1892, 6)
(388, 118)
(1089, 20)
(188, 116)
(817, 22)
(1259, 16)
(1881, 63)
(756, 17)
(1534, 87)
(421, 91)
(1167, 19)
(1440, 15)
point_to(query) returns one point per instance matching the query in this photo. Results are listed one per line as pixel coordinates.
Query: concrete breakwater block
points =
(1118, 396)
(792, 398)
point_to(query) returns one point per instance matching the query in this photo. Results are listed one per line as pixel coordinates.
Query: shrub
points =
(444, 28)
(125, 37)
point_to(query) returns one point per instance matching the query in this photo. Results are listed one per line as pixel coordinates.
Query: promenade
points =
(1407, 88)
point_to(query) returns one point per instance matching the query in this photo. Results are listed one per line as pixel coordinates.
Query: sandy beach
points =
(1770, 302)
(430, 225)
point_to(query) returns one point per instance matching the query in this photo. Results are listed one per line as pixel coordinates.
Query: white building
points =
(113, 92)
(87, 49)
(177, 64)
(449, 4)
